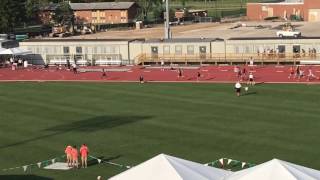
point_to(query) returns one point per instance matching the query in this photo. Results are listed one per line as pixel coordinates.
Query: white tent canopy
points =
(2, 49)
(276, 170)
(164, 167)
(15, 51)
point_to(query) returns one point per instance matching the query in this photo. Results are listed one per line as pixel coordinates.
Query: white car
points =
(295, 34)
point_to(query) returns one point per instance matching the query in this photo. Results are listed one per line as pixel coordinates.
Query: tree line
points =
(21, 13)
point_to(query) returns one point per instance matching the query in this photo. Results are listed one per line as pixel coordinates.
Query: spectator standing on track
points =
(68, 64)
(141, 79)
(238, 88)
(298, 72)
(162, 65)
(11, 61)
(179, 73)
(244, 73)
(310, 75)
(301, 74)
(251, 79)
(198, 76)
(104, 74)
(75, 154)
(291, 73)
(84, 151)
(68, 152)
(74, 67)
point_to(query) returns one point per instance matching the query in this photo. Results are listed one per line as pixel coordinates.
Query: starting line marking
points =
(146, 71)
(224, 70)
(280, 71)
(205, 70)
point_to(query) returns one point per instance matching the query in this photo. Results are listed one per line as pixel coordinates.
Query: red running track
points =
(222, 74)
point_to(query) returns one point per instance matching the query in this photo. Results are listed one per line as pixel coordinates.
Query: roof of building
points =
(183, 40)
(101, 5)
(79, 40)
(279, 2)
(50, 7)
(273, 38)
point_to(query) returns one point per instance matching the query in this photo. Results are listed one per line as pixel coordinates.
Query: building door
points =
(281, 51)
(203, 52)
(296, 51)
(314, 15)
(154, 52)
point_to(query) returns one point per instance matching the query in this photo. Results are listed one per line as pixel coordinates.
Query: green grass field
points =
(130, 123)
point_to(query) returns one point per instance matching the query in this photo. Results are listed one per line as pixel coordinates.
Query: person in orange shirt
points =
(84, 151)
(75, 155)
(68, 151)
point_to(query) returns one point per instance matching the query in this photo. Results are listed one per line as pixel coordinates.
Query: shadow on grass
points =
(249, 93)
(87, 125)
(23, 177)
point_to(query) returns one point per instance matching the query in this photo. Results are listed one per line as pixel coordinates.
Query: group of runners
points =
(298, 73)
(72, 155)
(242, 75)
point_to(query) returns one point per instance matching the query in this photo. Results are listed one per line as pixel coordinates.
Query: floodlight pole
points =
(167, 30)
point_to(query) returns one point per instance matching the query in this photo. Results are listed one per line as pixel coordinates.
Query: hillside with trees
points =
(22, 13)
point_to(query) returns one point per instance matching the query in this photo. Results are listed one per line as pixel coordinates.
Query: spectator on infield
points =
(84, 151)
(238, 88)
(75, 154)
(68, 152)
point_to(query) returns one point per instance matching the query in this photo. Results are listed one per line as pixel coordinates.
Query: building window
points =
(154, 50)
(190, 50)
(178, 50)
(79, 50)
(166, 49)
(66, 50)
(247, 49)
(264, 8)
(236, 49)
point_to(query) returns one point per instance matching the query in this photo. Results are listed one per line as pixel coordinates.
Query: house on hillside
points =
(307, 10)
(95, 13)
(105, 12)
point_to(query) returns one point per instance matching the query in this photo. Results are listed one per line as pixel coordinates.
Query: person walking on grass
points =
(84, 151)
(238, 88)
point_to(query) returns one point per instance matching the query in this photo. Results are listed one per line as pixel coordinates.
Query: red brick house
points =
(96, 13)
(308, 10)
(105, 12)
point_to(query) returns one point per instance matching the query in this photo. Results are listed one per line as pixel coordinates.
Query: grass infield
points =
(129, 123)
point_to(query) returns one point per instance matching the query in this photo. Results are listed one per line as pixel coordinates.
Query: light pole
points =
(167, 30)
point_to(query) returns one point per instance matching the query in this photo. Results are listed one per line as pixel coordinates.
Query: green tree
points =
(147, 5)
(63, 14)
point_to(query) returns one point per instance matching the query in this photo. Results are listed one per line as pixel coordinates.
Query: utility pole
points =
(167, 30)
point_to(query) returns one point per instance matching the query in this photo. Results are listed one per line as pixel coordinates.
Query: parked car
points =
(295, 34)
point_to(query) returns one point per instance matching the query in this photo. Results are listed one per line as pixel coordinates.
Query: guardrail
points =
(229, 58)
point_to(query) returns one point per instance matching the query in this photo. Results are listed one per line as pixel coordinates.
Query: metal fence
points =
(222, 58)
(85, 59)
